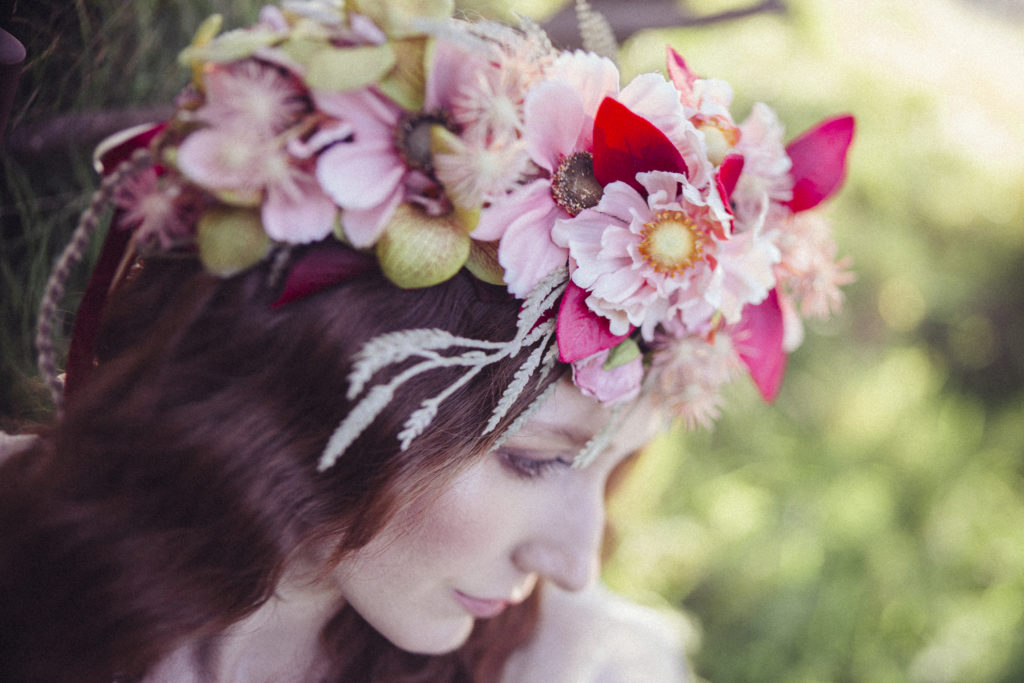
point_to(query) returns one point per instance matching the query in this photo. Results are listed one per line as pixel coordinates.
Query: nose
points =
(565, 547)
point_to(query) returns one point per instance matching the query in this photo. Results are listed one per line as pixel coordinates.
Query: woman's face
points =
(518, 514)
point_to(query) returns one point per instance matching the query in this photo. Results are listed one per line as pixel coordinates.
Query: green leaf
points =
(231, 240)
(336, 70)
(302, 50)
(230, 46)
(407, 81)
(418, 250)
(624, 352)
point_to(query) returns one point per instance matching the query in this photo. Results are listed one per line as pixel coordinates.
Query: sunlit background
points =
(867, 527)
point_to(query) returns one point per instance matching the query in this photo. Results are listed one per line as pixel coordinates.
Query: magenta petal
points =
(322, 267)
(581, 332)
(119, 147)
(681, 76)
(759, 342)
(819, 161)
(728, 175)
(626, 144)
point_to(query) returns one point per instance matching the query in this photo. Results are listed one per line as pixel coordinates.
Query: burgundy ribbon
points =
(323, 266)
(82, 350)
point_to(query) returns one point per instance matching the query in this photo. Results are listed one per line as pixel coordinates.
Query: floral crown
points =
(656, 244)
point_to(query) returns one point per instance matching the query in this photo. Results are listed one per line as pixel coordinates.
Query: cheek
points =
(465, 520)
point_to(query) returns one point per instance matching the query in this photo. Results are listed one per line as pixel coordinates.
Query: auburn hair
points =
(166, 502)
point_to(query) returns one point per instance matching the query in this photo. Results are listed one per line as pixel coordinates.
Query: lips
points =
(481, 608)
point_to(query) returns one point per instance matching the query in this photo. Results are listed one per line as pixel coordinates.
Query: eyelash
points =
(526, 467)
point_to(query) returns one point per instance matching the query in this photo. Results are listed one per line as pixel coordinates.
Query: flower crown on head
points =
(657, 244)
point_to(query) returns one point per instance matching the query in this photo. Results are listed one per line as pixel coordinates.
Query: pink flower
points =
(151, 209)
(484, 91)
(707, 103)
(617, 385)
(765, 184)
(809, 268)
(252, 95)
(664, 259)
(242, 156)
(365, 176)
(246, 165)
(689, 373)
(559, 125)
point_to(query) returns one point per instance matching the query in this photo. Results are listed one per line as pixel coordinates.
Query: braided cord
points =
(88, 224)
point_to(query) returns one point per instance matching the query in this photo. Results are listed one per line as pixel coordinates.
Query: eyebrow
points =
(572, 435)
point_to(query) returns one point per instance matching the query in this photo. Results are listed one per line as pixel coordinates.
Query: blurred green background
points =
(867, 527)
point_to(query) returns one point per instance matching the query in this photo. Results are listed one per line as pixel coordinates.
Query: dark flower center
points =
(412, 137)
(574, 186)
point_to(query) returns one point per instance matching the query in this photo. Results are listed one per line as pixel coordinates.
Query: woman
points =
(390, 299)
(163, 543)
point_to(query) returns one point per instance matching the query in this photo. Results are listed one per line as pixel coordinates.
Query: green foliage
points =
(870, 525)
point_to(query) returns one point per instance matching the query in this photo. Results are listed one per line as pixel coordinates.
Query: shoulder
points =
(598, 637)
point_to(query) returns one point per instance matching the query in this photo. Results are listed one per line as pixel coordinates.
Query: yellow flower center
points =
(721, 137)
(672, 243)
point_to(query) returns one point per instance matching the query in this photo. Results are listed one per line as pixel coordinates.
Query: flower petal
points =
(554, 119)
(626, 144)
(344, 70)
(301, 217)
(495, 219)
(363, 227)
(322, 267)
(819, 161)
(759, 342)
(527, 253)
(728, 175)
(621, 383)
(360, 176)
(680, 74)
(581, 332)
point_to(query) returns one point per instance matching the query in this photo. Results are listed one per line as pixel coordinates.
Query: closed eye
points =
(529, 466)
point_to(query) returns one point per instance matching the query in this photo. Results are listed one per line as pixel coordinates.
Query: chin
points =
(430, 639)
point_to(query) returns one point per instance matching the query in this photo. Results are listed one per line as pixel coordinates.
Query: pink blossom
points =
(243, 154)
(252, 95)
(617, 385)
(809, 268)
(246, 166)
(666, 259)
(688, 375)
(706, 102)
(151, 209)
(559, 115)
(365, 176)
(765, 185)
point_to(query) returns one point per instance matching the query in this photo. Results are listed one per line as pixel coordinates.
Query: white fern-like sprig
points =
(437, 349)
(425, 414)
(596, 32)
(599, 442)
(395, 347)
(525, 416)
(521, 378)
